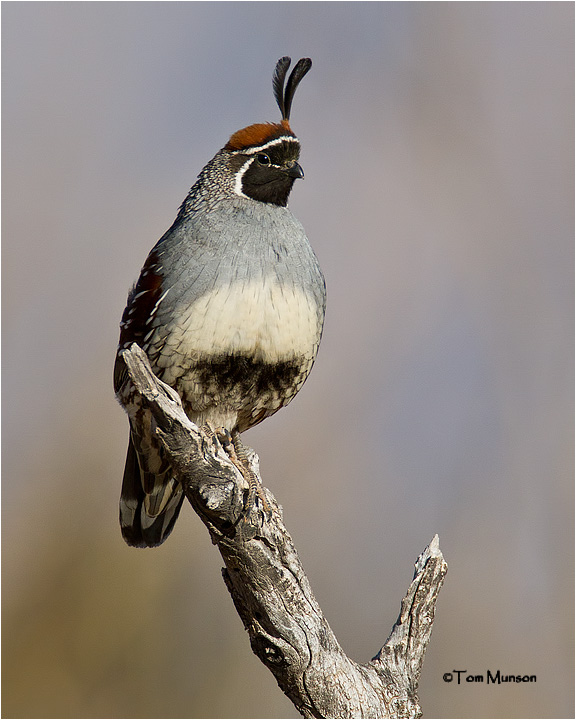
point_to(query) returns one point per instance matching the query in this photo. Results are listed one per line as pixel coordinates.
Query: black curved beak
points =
(295, 171)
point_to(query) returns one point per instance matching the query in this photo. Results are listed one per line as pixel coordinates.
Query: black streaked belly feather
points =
(255, 389)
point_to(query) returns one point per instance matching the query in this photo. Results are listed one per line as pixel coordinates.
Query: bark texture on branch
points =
(270, 590)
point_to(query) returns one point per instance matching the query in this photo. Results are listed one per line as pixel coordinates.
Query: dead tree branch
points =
(287, 629)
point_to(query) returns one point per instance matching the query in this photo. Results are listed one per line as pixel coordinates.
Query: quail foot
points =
(229, 308)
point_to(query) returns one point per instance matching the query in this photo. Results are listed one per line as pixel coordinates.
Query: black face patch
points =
(270, 172)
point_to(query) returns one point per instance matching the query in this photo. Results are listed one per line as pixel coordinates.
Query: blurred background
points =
(438, 150)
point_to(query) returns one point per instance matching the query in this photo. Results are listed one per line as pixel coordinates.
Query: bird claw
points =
(236, 451)
(255, 501)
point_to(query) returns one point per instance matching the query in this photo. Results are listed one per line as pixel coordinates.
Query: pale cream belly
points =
(239, 353)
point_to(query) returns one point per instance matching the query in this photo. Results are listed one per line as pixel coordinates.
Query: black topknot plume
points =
(284, 97)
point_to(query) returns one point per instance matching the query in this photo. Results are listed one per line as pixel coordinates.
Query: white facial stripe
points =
(240, 175)
(269, 144)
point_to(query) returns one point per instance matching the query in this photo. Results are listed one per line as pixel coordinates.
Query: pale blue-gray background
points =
(438, 150)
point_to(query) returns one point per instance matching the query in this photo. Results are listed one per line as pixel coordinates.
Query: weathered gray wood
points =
(271, 593)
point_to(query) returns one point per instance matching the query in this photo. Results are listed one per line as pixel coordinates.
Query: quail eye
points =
(263, 159)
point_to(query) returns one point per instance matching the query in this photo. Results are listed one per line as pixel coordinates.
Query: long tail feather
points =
(149, 502)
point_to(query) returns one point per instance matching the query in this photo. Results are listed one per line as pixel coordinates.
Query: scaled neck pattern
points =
(215, 183)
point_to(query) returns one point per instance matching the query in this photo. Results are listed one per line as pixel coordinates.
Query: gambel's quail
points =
(229, 308)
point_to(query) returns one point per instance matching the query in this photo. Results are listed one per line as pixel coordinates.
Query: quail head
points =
(229, 308)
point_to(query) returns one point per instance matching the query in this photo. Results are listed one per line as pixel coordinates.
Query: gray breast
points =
(242, 320)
